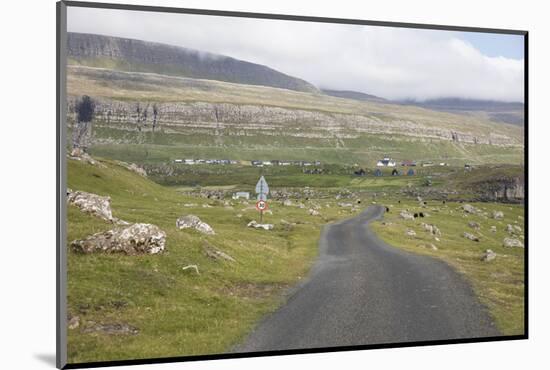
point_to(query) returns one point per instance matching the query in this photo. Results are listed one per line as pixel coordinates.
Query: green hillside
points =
(179, 312)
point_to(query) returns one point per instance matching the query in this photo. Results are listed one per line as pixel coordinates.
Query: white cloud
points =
(394, 63)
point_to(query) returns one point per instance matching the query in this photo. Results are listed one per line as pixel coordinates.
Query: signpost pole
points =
(262, 189)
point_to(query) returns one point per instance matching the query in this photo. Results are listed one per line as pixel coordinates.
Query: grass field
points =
(159, 147)
(499, 283)
(179, 312)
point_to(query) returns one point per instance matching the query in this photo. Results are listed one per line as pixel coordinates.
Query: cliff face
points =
(137, 55)
(276, 120)
(502, 189)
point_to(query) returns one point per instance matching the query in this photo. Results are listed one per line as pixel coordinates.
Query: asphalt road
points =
(364, 291)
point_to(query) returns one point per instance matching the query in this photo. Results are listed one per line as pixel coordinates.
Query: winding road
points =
(364, 291)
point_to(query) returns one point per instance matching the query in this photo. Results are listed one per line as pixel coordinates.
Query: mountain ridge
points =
(144, 56)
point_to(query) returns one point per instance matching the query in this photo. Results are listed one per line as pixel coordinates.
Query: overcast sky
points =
(393, 63)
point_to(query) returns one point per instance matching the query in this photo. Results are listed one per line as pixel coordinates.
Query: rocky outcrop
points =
(501, 189)
(241, 118)
(97, 205)
(193, 222)
(131, 240)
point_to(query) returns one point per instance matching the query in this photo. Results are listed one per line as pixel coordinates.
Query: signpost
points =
(262, 189)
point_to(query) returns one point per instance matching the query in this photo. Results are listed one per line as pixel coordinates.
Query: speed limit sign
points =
(261, 205)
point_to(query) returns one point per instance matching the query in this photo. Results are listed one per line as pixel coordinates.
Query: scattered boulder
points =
(78, 154)
(471, 237)
(313, 212)
(517, 228)
(489, 255)
(498, 215)
(287, 226)
(131, 240)
(193, 222)
(406, 215)
(432, 229)
(111, 329)
(287, 203)
(468, 208)
(510, 229)
(493, 229)
(256, 225)
(411, 233)
(134, 168)
(344, 205)
(428, 246)
(512, 243)
(214, 253)
(93, 204)
(473, 225)
(73, 322)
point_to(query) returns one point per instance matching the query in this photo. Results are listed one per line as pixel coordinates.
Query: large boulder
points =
(93, 204)
(512, 242)
(131, 240)
(193, 222)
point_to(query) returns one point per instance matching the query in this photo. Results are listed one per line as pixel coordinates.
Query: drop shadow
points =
(47, 358)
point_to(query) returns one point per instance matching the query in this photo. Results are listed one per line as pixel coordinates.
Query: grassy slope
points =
(499, 283)
(179, 313)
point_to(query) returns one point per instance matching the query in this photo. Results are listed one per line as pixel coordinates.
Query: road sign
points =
(261, 205)
(262, 187)
(262, 197)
